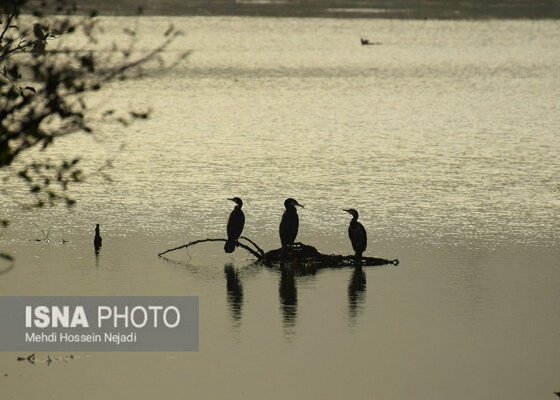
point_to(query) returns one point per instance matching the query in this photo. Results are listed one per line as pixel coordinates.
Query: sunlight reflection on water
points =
(444, 137)
(443, 145)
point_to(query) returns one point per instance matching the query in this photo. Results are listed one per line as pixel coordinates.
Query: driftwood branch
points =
(299, 253)
(243, 246)
(261, 251)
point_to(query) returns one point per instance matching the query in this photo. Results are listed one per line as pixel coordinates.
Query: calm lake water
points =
(445, 137)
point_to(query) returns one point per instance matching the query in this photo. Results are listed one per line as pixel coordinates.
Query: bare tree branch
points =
(250, 250)
(261, 251)
(8, 23)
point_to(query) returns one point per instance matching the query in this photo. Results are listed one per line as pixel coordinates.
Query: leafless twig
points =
(243, 246)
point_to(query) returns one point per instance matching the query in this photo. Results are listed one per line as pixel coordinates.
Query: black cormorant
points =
(357, 233)
(97, 239)
(290, 223)
(235, 225)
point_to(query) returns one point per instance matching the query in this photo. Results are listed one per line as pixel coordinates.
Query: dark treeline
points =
(411, 9)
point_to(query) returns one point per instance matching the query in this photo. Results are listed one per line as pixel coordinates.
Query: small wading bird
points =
(366, 42)
(290, 223)
(97, 239)
(357, 233)
(235, 225)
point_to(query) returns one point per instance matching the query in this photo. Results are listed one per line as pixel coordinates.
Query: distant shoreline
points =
(403, 9)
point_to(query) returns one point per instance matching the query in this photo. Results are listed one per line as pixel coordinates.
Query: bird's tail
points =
(229, 247)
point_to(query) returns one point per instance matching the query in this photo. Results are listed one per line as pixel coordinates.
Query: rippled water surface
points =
(445, 137)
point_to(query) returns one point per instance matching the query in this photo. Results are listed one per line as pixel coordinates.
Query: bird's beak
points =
(299, 205)
(231, 199)
(348, 211)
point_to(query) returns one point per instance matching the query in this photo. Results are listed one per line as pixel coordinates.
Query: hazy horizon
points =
(408, 9)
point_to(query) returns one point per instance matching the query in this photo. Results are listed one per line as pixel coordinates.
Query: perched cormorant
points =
(235, 225)
(97, 239)
(357, 233)
(290, 223)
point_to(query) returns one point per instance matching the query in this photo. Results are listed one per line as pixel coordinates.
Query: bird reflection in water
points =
(234, 292)
(288, 297)
(356, 292)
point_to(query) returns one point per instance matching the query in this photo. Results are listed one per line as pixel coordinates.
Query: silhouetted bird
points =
(357, 233)
(366, 42)
(97, 239)
(290, 223)
(235, 225)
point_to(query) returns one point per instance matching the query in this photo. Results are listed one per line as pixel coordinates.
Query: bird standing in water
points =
(290, 223)
(97, 239)
(235, 225)
(357, 233)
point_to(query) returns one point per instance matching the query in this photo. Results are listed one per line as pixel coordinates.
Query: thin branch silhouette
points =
(261, 251)
(8, 258)
(243, 246)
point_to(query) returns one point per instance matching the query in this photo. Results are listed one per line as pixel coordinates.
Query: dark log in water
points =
(299, 253)
(305, 254)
